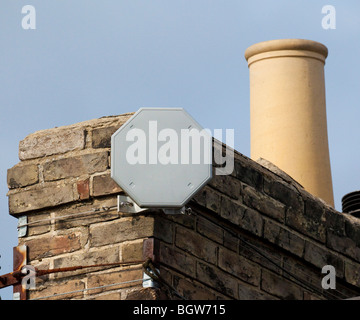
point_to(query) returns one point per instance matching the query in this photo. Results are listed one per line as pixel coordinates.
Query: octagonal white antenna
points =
(160, 157)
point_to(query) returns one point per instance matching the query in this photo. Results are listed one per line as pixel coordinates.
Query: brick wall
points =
(64, 171)
(257, 234)
(254, 234)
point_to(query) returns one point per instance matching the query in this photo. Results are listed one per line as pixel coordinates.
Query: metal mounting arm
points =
(128, 205)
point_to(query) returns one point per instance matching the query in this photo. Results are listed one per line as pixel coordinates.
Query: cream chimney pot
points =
(288, 111)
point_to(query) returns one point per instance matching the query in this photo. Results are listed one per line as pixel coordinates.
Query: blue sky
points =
(88, 59)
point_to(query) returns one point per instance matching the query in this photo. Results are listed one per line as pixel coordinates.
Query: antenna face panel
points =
(161, 157)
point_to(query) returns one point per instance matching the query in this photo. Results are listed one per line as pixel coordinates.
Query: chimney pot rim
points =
(286, 44)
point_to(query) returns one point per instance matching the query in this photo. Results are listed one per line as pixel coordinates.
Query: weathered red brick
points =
(104, 185)
(83, 189)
